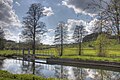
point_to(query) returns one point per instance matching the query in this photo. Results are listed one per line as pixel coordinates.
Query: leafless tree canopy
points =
(61, 36)
(108, 15)
(78, 35)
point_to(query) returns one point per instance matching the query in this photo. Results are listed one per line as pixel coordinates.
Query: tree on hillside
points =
(110, 11)
(1, 38)
(112, 15)
(60, 37)
(33, 28)
(78, 35)
(103, 26)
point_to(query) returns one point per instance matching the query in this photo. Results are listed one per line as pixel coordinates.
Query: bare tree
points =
(33, 28)
(1, 38)
(78, 35)
(1, 33)
(110, 12)
(60, 37)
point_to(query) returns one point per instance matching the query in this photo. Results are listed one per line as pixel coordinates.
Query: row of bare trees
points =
(61, 36)
(108, 20)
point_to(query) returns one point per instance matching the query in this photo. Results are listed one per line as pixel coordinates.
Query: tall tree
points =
(108, 22)
(33, 28)
(112, 14)
(110, 10)
(60, 37)
(1, 38)
(78, 35)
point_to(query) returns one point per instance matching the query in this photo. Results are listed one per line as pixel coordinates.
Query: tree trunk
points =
(34, 46)
(61, 53)
(80, 48)
(117, 22)
(118, 30)
(80, 43)
(33, 54)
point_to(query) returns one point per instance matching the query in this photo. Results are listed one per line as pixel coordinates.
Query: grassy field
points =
(112, 52)
(67, 51)
(4, 75)
(91, 54)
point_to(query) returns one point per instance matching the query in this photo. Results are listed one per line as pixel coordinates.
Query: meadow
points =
(87, 54)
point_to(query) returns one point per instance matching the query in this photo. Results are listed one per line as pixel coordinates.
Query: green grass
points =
(92, 58)
(113, 51)
(7, 52)
(4, 75)
(67, 51)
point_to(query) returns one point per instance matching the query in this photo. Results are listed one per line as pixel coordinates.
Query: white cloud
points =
(17, 3)
(51, 30)
(48, 39)
(10, 35)
(8, 19)
(91, 25)
(71, 23)
(78, 6)
(48, 11)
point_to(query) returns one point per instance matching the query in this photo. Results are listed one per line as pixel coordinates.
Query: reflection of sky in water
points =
(71, 73)
(11, 66)
(58, 71)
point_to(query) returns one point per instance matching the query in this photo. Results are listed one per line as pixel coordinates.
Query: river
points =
(57, 71)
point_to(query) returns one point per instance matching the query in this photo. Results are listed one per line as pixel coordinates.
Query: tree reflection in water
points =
(58, 71)
(107, 75)
(75, 73)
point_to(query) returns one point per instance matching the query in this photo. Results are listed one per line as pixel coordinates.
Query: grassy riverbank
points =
(4, 75)
(90, 58)
(67, 52)
(88, 54)
(71, 51)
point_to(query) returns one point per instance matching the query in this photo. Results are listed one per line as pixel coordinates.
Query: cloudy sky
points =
(70, 11)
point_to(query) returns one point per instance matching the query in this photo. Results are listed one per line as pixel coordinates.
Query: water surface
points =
(57, 71)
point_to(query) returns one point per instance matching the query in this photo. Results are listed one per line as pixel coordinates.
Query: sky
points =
(72, 12)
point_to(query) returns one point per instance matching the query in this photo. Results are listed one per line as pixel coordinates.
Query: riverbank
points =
(115, 66)
(88, 54)
(76, 57)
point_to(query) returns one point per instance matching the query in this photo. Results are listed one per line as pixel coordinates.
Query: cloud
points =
(48, 39)
(51, 30)
(90, 25)
(48, 11)
(79, 6)
(10, 35)
(17, 3)
(7, 14)
(71, 23)
(8, 19)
